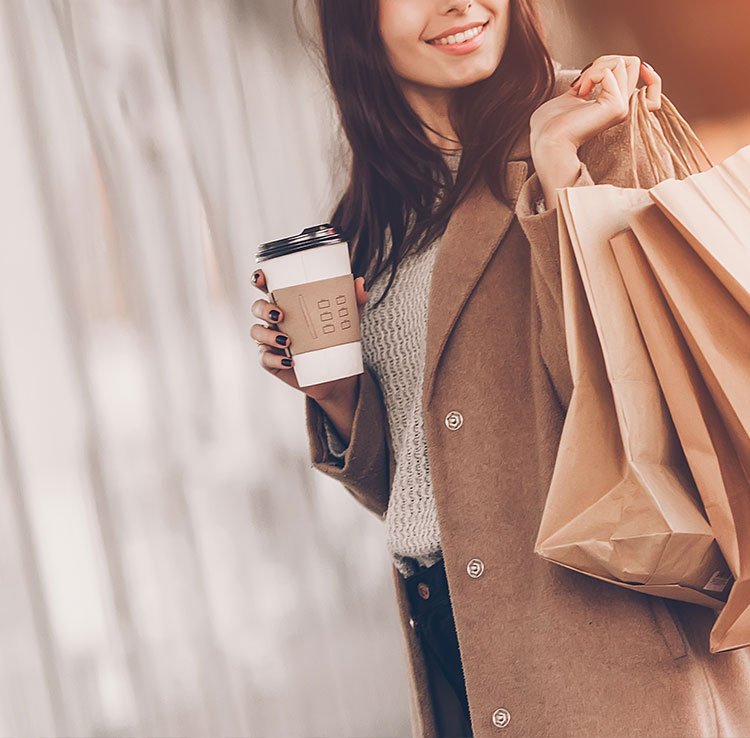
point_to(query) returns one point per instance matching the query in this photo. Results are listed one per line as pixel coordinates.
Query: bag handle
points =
(664, 130)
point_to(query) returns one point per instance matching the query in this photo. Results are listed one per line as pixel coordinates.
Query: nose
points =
(460, 6)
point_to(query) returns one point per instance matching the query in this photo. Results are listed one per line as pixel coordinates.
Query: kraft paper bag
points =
(712, 211)
(723, 485)
(715, 325)
(622, 504)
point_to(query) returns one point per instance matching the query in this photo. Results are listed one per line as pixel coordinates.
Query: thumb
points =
(359, 291)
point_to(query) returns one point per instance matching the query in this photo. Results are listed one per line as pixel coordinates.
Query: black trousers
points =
(432, 614)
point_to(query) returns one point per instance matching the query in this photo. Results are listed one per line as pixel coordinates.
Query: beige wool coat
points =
(562, 653)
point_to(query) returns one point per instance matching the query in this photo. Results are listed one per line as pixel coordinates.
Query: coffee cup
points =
(309, 277)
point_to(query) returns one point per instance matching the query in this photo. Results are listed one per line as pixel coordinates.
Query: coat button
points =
(500, 718)
(475, 568)
(454, 420)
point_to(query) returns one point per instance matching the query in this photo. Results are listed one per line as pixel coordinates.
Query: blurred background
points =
(170, 563)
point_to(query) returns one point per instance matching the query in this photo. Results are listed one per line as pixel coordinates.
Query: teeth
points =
(459, 37)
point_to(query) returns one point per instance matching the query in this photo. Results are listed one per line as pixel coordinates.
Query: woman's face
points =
(409, 29)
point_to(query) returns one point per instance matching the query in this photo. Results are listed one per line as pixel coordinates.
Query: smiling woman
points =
(406, 27)
(450, 435)
(404, 101)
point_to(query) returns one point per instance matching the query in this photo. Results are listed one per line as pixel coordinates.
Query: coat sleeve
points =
(335, 445)
(605, 159)
(363, 466)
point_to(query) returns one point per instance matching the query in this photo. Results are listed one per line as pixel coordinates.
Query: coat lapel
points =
(472, 236)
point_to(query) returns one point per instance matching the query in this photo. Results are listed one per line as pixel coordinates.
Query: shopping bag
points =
(711, 210)
(622, 505)
(715, 325)
(721, 480)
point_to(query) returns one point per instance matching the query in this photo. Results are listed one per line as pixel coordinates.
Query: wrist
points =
(557, 165)
(340, 406)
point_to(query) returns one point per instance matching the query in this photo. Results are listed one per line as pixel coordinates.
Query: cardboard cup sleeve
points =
(319, 314)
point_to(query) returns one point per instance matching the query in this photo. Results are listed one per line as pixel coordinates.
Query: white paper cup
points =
(309, 277)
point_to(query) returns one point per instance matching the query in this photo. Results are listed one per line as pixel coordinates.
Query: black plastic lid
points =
(319, 235)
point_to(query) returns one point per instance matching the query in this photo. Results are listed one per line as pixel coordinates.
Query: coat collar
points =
(472, 236)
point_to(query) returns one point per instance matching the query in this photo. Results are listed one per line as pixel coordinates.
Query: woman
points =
(462, 129)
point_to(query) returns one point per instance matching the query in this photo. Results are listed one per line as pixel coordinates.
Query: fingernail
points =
(586, 67)
(286, 362)
(274, 315)
(256, 277)
(647, 65)
(572, 84)
(281, 340)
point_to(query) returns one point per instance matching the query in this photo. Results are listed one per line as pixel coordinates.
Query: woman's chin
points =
(469, 78)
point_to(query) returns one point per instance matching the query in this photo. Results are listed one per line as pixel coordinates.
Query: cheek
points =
(403, 51)
(502, 27)
(501, 10)
(501, 15)
(401, 23)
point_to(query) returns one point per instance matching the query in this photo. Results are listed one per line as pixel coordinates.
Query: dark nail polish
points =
(274, 315)
(575, 80)
(286, 362)
(256, 277)
(281, 340)
(586, 67)
(646, 64)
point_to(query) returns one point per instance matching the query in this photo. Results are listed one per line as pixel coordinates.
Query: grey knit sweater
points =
(393, 347)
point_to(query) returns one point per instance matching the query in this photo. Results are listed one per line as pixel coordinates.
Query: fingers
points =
(259, 280)
(633, 68)
(618, 65)
(620, 73)
(275, 339)
(613, 96)
(272, 344)
(359, 291)
(267, 311)
(619, 68)
(627, 71)
(273, 361)
(653, 86)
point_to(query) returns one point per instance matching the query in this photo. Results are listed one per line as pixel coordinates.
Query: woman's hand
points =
(561, 125)
(272, 342)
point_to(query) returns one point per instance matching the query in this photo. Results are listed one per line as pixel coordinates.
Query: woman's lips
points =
(465, 47)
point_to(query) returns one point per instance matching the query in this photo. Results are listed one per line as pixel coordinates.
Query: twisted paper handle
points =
(664, 130)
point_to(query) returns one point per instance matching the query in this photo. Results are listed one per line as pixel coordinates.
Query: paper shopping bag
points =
(622, 504)
(723, 485)
(712, 211)
(715, 325)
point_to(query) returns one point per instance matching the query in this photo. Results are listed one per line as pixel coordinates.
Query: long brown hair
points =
(399, 180)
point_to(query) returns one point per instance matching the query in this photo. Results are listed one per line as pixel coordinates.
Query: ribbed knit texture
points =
(393, 347)
(394, 339)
